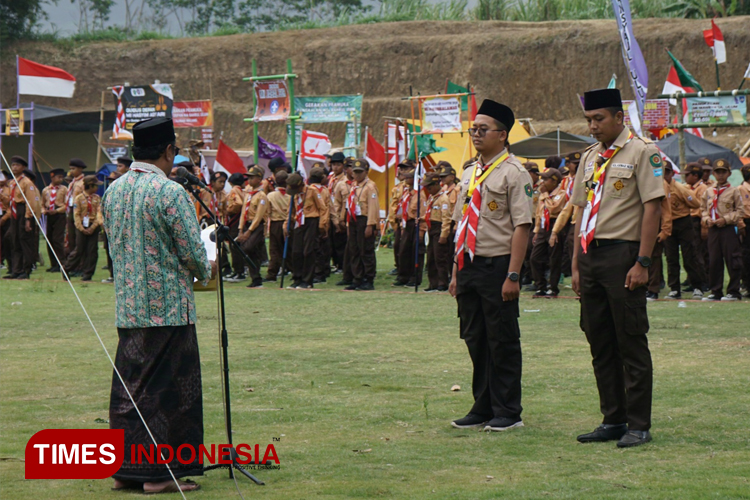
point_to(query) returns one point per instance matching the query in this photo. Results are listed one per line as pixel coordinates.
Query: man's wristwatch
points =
(644, 261)
(513, 276)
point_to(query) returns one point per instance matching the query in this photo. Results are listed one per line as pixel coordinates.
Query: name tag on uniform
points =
(626, 166)
(358, 211)
(86, 221)
(557, 197)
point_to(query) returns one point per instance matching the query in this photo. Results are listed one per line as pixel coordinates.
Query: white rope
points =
(62, 267)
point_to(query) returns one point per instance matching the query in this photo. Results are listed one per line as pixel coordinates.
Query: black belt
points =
(607, 243)
(486, 260)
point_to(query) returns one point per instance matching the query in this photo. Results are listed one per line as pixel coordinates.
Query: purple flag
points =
(268, 150)
(631, 53)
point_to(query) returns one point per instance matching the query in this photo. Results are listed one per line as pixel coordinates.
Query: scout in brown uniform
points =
(123, 166)
(309, 216)
(438, 218)
(75, 188)
(394, 213)
(493, 220)
(337, 232)
(655, 270)
(452, 191)
(410, 272)
(536, 182)
(253, 224)
(323, 254)
(707, 166)
(744, 189)
(215, 198)
(338, 216)
(694, 180)
(544, 257)
(235, 204)
(53, 206)
(88, 221)
(722, 214)
(617, 228)
(6, 244)
(363, 215)
(22, 229)
(565, 234)
(278, 213)
(683, 201)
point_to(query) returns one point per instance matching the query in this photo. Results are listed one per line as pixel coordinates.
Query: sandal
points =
(186, 486)
(127, 485)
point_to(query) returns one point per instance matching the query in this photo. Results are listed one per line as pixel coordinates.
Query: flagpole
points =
(254, 71)
(18, 85)
(718, 83)
(101, 130)
(293, 116)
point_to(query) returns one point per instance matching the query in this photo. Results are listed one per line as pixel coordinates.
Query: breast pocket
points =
(621, 182)
(494, 202)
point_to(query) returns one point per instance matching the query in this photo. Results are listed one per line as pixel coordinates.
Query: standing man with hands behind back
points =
(493, 214)
(619, 185)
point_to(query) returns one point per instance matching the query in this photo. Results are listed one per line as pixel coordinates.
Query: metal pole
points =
(101, 130)
(255, 110)
(293, 118)
(558, 141)
(718, 82)
(31, 140)
(387, 180)
(18, 84)
(681, 135)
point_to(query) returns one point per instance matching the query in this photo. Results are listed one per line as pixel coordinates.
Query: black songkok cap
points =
(499, 112)
(275, 163)
(602, 98)
(153, 132)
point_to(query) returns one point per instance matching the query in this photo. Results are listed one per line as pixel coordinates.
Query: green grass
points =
(335, 371)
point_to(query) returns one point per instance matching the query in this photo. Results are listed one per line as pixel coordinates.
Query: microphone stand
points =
(222, 234)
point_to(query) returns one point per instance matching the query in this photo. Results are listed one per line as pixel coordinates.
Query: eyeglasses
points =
(176, 150)
(481, 132)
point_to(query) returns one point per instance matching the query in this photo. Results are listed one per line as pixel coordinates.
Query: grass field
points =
(356, 387)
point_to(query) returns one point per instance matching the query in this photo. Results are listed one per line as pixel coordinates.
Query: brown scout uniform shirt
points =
(441, 212)
(81, 210)
(235, 201)
(59, 200)
(394, 217)
(698, 189)
(340, 194)
(452, 194)
(554, 201)
(278, 205)
(744, 189)
(411, 211)
(4, 203)
(325, 212)
(366, 196)
(24, 184)
(633, 177)
(221, 199)
(75, 188)
(730, 206)
(256, 206)
(535, 196)
(506, 204)
(313, 205)
(682, 200)
(665, 230)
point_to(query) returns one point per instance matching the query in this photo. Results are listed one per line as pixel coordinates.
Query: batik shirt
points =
(156, 249)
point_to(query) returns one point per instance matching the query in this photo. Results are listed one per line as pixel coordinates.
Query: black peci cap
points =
(499, 112)
(78, 163)
(338, 157)
(602, 98)
(153, 132)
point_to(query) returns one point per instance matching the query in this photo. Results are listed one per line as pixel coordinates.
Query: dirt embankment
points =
(537, 68)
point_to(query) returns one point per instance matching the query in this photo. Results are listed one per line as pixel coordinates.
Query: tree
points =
(20, 19)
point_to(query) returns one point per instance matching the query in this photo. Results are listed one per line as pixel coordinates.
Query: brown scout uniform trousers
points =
(746, 255)
(305, 250)
(543, 257)
(253, 247)
(724, 249)
(361, 251)
(406, 264)
(56, 234)
(683, 237)
(438, 257)
(25, 243)
(276, 249)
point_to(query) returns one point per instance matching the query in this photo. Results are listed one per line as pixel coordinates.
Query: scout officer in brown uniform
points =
(309, 216)
(22, 230)
(253, 224)
(683, 201)
(339, 217)
(722, 214)
(363, 216)
(394, 213)
(694, 180)
(410, 272)
(655, 270)
(75, 188)
(6, 244)
(744, 189)
(278, 213)
(88, 221)
(544, 257)
(526, 275)
(493, 219)
(438, 218)
(235, 204)
(566, 230)
(619, 187)
(337, 232)
(323, 255)
(53, 206)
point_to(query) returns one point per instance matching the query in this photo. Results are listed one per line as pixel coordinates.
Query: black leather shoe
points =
(269, 280)
(398, 283)
(470, 421)
(634, 438)
(603, 433)
(353, 286)
(366, 286)
(256, 283)
(343, 283)
(22, 276)
(318, 280)
(503, 424)
(10, 276)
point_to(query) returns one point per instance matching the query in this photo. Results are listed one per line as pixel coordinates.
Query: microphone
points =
(183, 173)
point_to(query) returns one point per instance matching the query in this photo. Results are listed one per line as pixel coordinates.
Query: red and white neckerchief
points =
(13, 197)
(428, 212)
(351, 204)
(299, 205)
(715, 205)
(545, 218)
(466, 232)
(331, 181)
(594, 197)
(568, 187)
(282, 191)
(696, 184)
(404, 205)
(89, 207)
(248, 204)
(52, 196)
(69, 200)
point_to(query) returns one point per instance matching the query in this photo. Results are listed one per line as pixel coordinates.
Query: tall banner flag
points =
(272, 100)
(40, 79)
(715, 39)
(229, 162)
(631, 53)
(314, 146)
(135, 104)
(374, 154)
(468, 103)
(680, 80)
(441, 115)
(192, 114)
(396, 144)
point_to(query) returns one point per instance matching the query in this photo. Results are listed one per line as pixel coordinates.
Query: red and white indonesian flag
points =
(229, 162)
(672, 86)
(396, 144)
(39, 79)
(314, 145)
(715, 39)
(375, 154)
